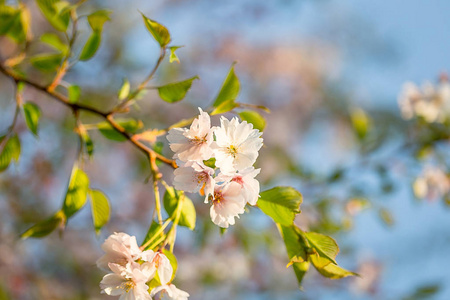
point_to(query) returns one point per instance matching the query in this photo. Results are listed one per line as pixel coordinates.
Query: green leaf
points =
(45, 227)
(74, 92)
(32, 113)
(210, 163)
(154, 228)
(173, 56)
(158, 31)
(130, 126)
(254, 118)
(386, 217)
(324, 245)
(76, 192)
(54, 12)
(46, 62)
(230, 88)
(55, 42)
(11, 151)
(91, 46)
(225, 107)
(14, 23)
(173, 261)
(174, 92)
(100, 209)
(124, 90)
(173, 198)
(97, 19)
(281, 204)
(87, 141)
(331, 271)
(361, 123)
(295, 250)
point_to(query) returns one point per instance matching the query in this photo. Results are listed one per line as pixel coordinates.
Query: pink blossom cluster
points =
(234, 145)
(131, 269)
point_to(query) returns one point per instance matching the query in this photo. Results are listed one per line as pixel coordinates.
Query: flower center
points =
(238, 179)
(157, 260)
(127, 285)
(198, 140)
(201, 177)
(232, 150)
(218, 198)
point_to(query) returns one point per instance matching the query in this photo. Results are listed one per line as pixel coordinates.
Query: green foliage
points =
(87, 142)
(361, 123)
(76, 195)
(46, 227)
(324, 245)
(296, 251)
(56, 13)
(14, 23)
(210, 162)
(158, 31)
(32, 113)
(174, 92)
(254, 118)
(74, 92)
(229, 90)
(98, 19)
(424, 292)
(55, 42)
(332, 271)
(172, 200)
(386, 216)
(91, 46)
(100, 209)
(47, 62)
(173, 56)
(152, 231)
(281, 204)
(224, 107)
(129, 125)
(124, 90)
(11, 151)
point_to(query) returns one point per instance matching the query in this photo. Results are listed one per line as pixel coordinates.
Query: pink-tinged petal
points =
(165, 269)
(111, 284)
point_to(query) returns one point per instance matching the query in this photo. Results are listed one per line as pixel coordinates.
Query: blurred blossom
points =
(432, 184)
(431, 102)
(370, 272)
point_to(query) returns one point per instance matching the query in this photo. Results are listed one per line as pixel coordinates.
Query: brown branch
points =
(106, 115)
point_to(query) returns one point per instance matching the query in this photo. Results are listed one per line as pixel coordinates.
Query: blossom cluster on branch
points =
(234, 146)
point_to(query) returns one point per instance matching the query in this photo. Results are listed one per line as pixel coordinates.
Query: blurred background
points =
(323, 67)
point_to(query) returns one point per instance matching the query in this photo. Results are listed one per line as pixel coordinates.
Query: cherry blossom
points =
(158, 261)
(433, 183)
(127, 281)
(120, 248)
(246, 178)
(169, 292)
(237, 145)
(193, 177)
(193, 143)
(227, 203)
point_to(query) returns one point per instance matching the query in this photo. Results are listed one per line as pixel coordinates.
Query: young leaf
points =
(97, 19)
(324, 245)
(174, 92)
(255, 118)
(295, 250)
(11, 151)
(76, 192)
(54, 12)
(173, 56)
(173, 198)
(158, 31)
(173, 261)
(87, 141)
(91, 46)
(154, 228)
(55, 42)
(32, 113)
(100, 209)
(230, 88)
(45, 227)
(13, 23)
(331, 271)
(130, 126)
(124, 90)
(46, 62)
(361, 123)
(281, 204)
(74, 92)
(225, 107)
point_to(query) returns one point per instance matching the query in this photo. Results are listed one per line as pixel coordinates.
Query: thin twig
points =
(76, 106)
